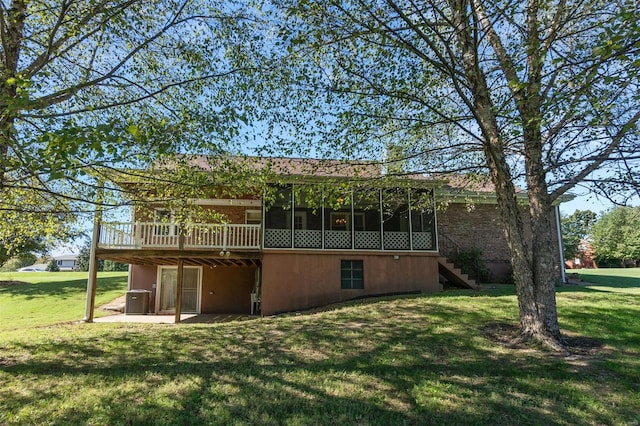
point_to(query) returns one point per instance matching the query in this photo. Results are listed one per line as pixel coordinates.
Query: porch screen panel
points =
(307, 223)
(366, 217)
(277, 226)
(395, 215)
(423, 219)
(337, 221)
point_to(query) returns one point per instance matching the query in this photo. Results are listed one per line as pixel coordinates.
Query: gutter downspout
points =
(560, 251)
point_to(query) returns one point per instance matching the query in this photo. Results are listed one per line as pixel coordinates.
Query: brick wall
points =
(466, 227)
(234, 214)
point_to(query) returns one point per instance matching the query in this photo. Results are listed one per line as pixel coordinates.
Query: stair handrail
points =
(448, 246)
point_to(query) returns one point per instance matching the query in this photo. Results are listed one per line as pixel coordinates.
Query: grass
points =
(613, 279)
(406, 360)
(48, 298)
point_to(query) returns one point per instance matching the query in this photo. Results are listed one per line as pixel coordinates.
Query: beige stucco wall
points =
(300, 280)
(225, 290)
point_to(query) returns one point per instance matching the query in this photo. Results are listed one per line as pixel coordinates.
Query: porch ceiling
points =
(190, 258)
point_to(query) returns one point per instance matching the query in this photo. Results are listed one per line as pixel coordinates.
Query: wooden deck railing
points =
(140, 235)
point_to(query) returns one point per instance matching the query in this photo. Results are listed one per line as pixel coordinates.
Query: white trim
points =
(159, 285)
(227, 202)
(560, 248)
(129, 284)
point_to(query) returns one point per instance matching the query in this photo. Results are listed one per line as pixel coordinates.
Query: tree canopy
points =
(576, 227)
(90, 88)
(616, 236)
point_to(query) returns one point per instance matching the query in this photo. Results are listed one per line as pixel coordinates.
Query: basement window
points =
(351, 274)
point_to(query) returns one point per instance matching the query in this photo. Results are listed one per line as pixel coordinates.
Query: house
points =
(585, 257)
(298, 250)
(66, 262)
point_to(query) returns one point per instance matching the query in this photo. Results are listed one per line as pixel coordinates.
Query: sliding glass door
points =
(190, 289)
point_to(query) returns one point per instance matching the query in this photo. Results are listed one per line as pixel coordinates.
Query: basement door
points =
(191, 285)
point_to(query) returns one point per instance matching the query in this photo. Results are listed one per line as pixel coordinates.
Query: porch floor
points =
(169, 319)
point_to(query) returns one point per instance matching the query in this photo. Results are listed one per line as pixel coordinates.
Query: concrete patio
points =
(170, 319)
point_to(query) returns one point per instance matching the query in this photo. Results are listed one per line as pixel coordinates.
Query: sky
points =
(591, 202)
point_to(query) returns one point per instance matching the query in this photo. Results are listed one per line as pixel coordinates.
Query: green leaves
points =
(616, 235)
(576, 227)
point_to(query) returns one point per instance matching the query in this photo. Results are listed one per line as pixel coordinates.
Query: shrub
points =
(18, 262)
(112, 265)
(471, 263)
(52, 266)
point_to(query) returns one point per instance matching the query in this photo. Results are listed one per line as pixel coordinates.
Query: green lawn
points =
(613, 279)
(52, 297)
(407, 360)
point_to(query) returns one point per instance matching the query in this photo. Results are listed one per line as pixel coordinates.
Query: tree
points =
(52, 266)
(89, 88)
(576, 227)
(616, 235)
(112, 265)
(17, 262)
(82, 261)
(32, 223)
(542, 94)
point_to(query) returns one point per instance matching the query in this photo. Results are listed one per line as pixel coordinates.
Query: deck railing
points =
(139, 235)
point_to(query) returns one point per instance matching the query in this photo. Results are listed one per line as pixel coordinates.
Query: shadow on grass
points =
(611, 280)
(400, 361)
(61, 289)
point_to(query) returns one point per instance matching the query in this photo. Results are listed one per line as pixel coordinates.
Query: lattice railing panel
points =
(337, 239)
(423, 241)
(277, 238)
(396, 240)
(307, 239)
(367, 240)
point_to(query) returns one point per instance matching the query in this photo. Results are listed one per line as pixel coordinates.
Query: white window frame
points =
(302, 215)
(159, 285)
(170, 226)
(348, 217)
(258, 213)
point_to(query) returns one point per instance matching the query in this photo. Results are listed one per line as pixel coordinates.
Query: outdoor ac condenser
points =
(137, 302)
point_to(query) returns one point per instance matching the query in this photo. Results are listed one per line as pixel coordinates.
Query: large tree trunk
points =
(533, 264)
(543, 256)
(11, 33)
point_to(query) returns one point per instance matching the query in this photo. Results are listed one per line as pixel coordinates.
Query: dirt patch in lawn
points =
(508, 335)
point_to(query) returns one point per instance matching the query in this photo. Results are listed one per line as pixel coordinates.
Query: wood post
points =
(93, 260)
(179, 289)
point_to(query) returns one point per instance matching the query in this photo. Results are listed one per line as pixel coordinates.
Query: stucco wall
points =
(143, 277)
(227, 290)
(293, 281)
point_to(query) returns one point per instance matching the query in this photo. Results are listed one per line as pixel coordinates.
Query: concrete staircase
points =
(455, 275)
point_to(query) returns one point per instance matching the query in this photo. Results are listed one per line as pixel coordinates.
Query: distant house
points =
(290, 254)
(67, 262)
(585, 257)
